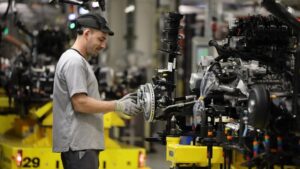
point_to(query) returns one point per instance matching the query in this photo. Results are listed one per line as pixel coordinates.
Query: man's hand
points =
(128, 105)
(129, 96)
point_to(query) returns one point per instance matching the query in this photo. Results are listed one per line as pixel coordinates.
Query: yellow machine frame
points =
(192, 155)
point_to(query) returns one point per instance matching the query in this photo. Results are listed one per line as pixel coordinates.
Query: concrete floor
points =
(157, 160)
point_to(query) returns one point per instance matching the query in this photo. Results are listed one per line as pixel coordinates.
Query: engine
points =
(254, 72)
(251, 84)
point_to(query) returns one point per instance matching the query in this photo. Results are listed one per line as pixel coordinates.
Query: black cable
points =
(102, 4)
(280, 12)
(4, 16)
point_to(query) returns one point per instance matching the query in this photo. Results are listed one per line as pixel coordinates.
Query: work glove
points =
(128, 105)
(129, 96)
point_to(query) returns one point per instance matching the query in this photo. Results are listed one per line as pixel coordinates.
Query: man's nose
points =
(103, 45)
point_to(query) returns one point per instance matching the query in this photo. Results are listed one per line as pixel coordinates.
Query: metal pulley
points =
(259, 107)
(146, 99)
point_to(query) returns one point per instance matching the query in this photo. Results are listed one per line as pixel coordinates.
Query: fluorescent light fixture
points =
(187, 9)
(290, 9)
(129, 9)
(83, 11)
(95, 4)
(72, 16)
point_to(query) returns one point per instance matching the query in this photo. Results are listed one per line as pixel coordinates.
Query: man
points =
(77, 108)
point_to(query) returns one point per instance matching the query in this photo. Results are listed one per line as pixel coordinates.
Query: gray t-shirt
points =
(75, 130)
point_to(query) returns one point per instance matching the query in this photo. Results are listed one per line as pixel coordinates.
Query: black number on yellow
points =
(31, 162)
(26, 162)
(35, 162)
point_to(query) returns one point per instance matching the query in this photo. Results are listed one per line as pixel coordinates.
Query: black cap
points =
(94, 20)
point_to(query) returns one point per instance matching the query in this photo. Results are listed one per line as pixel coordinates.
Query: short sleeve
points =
(75, 73)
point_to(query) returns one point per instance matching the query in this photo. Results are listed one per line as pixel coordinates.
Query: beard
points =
(93, 52)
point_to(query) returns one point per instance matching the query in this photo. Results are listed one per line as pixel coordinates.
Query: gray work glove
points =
(129, 96)
(128, 105)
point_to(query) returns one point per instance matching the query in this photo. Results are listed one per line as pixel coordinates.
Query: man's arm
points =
(85, 104)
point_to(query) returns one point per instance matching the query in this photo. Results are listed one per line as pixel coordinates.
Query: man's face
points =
(96, 40)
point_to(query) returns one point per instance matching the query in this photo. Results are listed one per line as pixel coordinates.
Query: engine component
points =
(155, 96)
(259, 107)
(146, 98)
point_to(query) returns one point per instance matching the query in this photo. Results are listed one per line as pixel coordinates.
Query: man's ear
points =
(86, 32)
